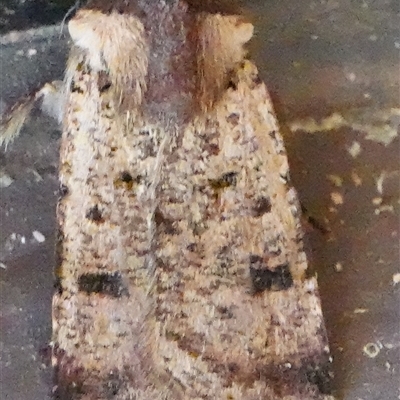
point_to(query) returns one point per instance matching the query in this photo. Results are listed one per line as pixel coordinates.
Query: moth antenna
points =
(67, 14)
(13, 120)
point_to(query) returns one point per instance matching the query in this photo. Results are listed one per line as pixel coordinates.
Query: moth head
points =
(83, 32)
(115, 43)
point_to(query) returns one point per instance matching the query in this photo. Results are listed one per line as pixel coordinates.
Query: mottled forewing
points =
(102, 312)
(181, 269)
(236, 317)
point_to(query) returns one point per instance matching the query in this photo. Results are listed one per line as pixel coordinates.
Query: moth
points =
(181, 269)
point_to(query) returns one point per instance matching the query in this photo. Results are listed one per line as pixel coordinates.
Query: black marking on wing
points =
(265, 278)
(95, 215)
(108, 284)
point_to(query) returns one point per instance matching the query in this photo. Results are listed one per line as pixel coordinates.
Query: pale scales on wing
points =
(230, 313)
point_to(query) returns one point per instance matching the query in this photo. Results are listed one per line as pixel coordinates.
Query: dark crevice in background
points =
(18, 14)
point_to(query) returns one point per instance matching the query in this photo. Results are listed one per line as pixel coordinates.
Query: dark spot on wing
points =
(320, 375)
(226, 180)
(74, 88)
(313, 373)
(278, 142)
(262, 206)
(191, 343)
(95, 215)
(192, 247)
(225, 312)
(165, 224)
(108, 284)
(264, 278)
(63, 191)
(103, 82)
(232, 85)
(68, 376)
(113, 384)
(127, 181)
(213, 149)
(233, 119)
(126, 177)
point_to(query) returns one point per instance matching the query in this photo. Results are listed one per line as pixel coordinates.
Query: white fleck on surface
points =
(396, 278)
(335, 179)
(38, 236)
(23, 240)
(360, 310)
(310, 125)
(355, 149)
(379, 182)
(337, 198)
(32, 52)
(379, 126)
(371, 350)
(5, 180)
(3, 266)
(36, 175)
(376, 201)
(384, 208)
(338, 267)
(356, 179)
(351, 76)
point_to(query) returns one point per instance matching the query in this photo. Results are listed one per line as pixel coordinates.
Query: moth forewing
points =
(234, 302)
(181, 265)
(101, 311)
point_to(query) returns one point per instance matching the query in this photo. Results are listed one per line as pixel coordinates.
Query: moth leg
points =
(13, 119)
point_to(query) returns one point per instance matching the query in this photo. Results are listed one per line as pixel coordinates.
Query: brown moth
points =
(182, 271)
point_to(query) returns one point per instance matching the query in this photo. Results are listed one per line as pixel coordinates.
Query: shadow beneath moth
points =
(182, 273)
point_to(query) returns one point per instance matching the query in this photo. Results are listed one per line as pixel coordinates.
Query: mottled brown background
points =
(317, 58)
